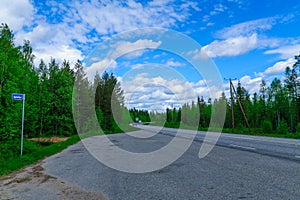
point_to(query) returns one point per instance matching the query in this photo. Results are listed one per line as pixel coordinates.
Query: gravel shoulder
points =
(33, 182)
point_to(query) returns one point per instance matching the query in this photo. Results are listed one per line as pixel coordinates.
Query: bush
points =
(11, 148)
(29, 147)
(267, 126)
(12, 163)
(293, 135)
(282, 128)
(172, 124)
(298, 128)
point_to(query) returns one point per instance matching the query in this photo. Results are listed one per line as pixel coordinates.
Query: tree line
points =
(49, 93)
(274, 109)
(139, 115)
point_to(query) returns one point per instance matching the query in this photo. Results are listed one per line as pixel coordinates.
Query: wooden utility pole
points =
(241, 107)
(232, 108)
(232, 103)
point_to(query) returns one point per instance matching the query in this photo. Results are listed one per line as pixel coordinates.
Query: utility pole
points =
(241, 107)
(232, 105)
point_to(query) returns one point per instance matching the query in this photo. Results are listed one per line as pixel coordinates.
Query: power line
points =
(232, 105)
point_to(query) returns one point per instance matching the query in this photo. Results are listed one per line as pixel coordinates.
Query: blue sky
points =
(247, 40)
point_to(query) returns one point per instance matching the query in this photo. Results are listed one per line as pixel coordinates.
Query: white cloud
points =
(138, 66)
(247, 28)
(218, 8)
(16, 13)
(114, 16)
(231, 46)
(58, 52)
(286, 51)
(241, 38)
(132, 49)
(80, 25)
(205, 18)
(100, 67)
(51, 41)
(172, 63)
(252, 85)
(210, 24)
(278, 67)
(152, 91)
(146, 92)
(198, 54)
(201, 89)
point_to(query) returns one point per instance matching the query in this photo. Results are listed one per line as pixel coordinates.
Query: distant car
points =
(135, 123)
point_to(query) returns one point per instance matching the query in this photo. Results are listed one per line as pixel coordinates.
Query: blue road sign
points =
(20, 97)
(17, 96)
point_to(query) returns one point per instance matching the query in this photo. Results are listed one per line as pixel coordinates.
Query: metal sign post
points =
(20, 97)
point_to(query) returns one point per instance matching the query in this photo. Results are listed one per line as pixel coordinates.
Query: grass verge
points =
(34, 152)
(244, 131)
(15, 163)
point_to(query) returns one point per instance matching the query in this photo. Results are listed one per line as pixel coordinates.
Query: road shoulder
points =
(33, 182)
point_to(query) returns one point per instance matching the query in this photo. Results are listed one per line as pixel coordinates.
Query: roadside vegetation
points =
(49, 103)
(10, 153)
(274, 111)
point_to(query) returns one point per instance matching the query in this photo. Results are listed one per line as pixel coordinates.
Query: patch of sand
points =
(33, 183)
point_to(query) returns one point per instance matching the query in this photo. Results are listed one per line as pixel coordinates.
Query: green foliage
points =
(267, 126)
(282, 128)
(33, 152)
(48, 90)
(109, 102)
(190, 114)
(293, 135)
(48, 105)
(298, 128)
(11, 148)
(275, 107)
(172, 124)
(141, 115)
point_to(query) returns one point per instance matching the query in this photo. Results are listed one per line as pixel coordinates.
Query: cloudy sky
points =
(245, 39)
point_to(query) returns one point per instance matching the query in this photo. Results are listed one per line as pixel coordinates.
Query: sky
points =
(163, 52)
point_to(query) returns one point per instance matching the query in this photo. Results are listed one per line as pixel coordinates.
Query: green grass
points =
(14, 163)
(10, 159)
(259, 132)
(244, 131)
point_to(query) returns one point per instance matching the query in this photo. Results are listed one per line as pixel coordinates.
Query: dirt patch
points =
(34, 183)
(48, 140)
(19, 180)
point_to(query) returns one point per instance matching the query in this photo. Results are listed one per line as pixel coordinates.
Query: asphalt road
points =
(238, 167)
(278, 147)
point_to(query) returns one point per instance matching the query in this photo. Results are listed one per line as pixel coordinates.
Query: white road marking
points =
(297, 157)
(242, 147)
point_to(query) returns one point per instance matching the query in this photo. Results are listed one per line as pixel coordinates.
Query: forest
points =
(274, 110)
(49, 96)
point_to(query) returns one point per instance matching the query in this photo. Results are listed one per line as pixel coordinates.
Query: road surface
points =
(239, 167)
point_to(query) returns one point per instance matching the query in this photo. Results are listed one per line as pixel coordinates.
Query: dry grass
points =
(51, 140)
